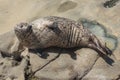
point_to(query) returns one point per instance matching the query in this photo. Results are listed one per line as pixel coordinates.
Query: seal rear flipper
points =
(96, 48)
(105, 57)
(105, 48)
(102, 54)
(108, 51)
(98, 44)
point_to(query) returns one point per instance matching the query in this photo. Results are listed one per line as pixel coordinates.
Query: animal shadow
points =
(44, 53)
(40, 52)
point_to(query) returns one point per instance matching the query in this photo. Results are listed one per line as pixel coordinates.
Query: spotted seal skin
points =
(57, 31)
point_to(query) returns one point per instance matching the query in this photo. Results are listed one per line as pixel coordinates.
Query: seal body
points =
(57, 31)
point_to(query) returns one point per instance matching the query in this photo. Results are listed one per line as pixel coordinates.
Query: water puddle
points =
(100, 30)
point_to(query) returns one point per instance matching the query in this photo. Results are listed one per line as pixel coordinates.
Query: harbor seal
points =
(57, 31)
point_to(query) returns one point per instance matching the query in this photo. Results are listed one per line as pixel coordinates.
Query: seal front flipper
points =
(54, 27)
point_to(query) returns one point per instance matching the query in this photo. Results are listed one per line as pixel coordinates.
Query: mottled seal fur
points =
(57, 31)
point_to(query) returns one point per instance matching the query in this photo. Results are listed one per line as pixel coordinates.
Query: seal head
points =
(23, 30)
(24, 33)
(36, 35)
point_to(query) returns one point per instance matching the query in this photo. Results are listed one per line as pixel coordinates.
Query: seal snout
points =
(23, 27)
